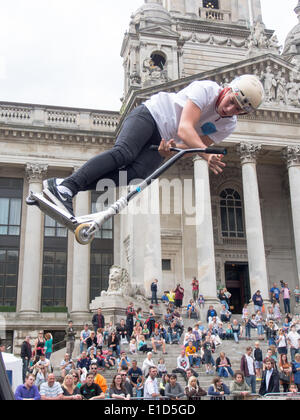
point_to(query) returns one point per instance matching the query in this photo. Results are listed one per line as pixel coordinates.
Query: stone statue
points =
(154, 73)
(281, 88)
(270, 84)
(120, 285)
(273, 43)
(293, 92)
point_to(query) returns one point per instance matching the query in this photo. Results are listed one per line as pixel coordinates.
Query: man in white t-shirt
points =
(201, 114)
(293, 340)
(151, 390)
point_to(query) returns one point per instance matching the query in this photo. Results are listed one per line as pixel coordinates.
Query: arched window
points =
(231, 209)
(158, 59)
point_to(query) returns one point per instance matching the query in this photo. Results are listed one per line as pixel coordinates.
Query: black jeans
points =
(130, 153)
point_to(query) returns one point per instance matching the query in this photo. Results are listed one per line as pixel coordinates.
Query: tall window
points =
(54, 279)
(55, 258)
(101, 254)
(11, 192)
(231, 214)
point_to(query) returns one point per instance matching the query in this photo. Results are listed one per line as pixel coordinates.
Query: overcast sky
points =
(67, 52)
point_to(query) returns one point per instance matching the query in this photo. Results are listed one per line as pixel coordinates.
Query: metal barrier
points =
(282, 396)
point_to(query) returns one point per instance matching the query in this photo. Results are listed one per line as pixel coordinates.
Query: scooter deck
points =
(61, 216)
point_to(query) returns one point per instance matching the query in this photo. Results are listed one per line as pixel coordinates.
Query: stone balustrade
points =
(45, 116)
(215, 14)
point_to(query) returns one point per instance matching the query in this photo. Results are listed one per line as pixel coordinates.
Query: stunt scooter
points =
(85, 227)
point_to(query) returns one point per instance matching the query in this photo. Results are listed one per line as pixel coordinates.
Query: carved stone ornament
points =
(120, 285)
(36, 171)
(291, 154)
(248, 152)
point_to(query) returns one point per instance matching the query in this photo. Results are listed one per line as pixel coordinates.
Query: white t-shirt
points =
(294, 339)
(250, 364)
(150, 388)
(166, 109)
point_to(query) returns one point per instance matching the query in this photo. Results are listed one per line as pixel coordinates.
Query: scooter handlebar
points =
(208, 150)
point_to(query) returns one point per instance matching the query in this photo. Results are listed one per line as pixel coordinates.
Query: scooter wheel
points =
(81, 234)
(30, 200)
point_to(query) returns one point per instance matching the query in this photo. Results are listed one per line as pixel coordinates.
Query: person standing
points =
(195, 289)
(98, 320)
(270, 380)
(248, 369)
(151, 391)
(130, 313)
(26, 354)
(179, 294)
(275, 293)
(258, 301)
(154, 292)
(39, 345)
(294, 341)
(70, 338)
(286, 294)
(48, 345)
(84, 335)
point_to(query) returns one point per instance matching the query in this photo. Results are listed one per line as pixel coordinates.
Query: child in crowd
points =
(165, 298)
(229, 332)
(139, 315)
(162, 369)
(132, 346)
(100, 338)
(277, 312)
(140, 387)
(201, 301)
(145, 331)
(245, 312)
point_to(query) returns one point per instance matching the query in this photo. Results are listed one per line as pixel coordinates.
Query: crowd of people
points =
(106, 347)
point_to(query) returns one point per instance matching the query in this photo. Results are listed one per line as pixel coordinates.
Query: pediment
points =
(280, 78)
(160, 31)
(282, 102)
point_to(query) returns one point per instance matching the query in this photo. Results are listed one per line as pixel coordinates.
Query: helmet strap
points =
(222, 95)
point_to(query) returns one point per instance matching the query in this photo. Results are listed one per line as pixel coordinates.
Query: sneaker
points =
(62, 200)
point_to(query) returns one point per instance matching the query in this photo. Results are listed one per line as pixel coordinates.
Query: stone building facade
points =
(240, 229)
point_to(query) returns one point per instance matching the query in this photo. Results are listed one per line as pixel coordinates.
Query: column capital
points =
(248, 152)
(291, 155)
(198, 158)
(35, 172)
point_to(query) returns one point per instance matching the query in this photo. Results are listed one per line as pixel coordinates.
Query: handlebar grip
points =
(213, 151)
(153, 147)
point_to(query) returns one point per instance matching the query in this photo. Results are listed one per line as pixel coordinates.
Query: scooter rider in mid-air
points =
(196, 117)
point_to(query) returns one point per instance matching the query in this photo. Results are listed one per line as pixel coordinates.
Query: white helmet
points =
(249, 92)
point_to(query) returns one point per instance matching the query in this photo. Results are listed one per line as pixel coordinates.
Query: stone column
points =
(33, 246)
(204, 232)
(292, 157)
(254, 230)
(81, 266)
(152, 253)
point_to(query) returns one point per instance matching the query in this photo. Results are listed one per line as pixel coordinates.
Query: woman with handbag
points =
(285, 372)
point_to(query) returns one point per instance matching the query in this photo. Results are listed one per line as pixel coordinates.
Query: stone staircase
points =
(232, 350)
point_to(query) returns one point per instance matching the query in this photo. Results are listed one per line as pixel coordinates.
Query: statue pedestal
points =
(113, 307)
